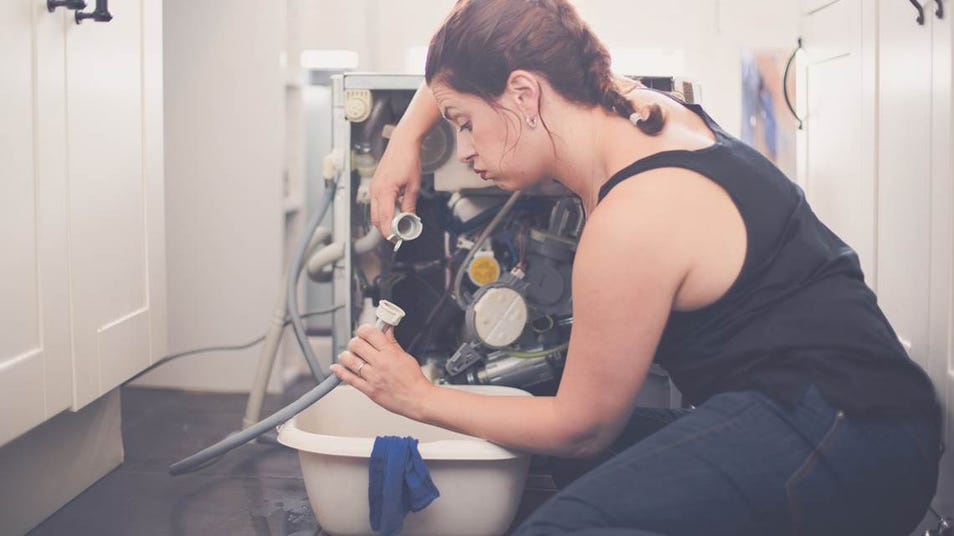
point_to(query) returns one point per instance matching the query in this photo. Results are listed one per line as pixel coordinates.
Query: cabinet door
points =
(114, 107)
(904, 174)
(837, 169)
(940, 354)
(35, 370)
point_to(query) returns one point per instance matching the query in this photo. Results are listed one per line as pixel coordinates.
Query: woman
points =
(809, 417)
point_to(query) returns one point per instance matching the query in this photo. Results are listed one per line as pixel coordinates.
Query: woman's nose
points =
(465, 149)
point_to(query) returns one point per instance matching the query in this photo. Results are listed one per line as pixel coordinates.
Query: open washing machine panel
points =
(500, 315)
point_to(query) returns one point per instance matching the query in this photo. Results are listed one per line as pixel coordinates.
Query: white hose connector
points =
(330, 165)
(405, 226)
(389, 315)
(324, 258)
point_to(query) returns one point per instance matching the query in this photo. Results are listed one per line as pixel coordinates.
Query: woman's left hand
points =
(376, 365)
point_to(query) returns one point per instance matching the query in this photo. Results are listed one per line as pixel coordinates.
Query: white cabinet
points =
(117, 261)
(810, 6)
(838, 172)
(904, 172)
(82, 268)
(35, 365)
(876, 165)
(940, 206)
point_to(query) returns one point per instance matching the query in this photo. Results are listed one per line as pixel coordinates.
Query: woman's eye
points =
(466, 126)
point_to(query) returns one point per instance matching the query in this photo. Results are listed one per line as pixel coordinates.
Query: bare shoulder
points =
(644, 216)
(679, 221)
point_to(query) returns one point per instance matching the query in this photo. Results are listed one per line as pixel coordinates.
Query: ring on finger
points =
(361, 366)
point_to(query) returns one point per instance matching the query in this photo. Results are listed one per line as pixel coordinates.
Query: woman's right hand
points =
(398, 175)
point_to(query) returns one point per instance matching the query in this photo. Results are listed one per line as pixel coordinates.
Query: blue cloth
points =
(741, 464)
(398, 483)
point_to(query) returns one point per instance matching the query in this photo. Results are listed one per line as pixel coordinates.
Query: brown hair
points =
(482, 41)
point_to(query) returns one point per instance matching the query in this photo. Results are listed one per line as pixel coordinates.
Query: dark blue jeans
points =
(741, 464)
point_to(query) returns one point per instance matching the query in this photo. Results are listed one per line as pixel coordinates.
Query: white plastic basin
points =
(480, 483)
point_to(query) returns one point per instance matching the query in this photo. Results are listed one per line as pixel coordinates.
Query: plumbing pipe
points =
(368, 242)
(325, 256)
(458, 279)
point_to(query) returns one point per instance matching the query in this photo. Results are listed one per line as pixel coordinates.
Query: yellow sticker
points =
(484, 270)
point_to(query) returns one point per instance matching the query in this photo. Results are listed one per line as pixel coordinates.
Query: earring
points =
(635, 118)
(532, 122)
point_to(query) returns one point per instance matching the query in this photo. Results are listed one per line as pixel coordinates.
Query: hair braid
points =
(483, 41)
(598, 78)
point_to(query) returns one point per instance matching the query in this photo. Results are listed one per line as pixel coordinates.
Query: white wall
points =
(224, 120)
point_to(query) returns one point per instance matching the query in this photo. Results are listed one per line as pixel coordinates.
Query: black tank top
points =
(799, 312)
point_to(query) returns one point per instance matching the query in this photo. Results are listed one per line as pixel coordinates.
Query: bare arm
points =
(399, 171)
(421, 114)
(629, 265)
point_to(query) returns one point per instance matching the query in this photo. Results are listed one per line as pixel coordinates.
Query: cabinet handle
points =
(940, 9)
(788, 101)
(920, 9)
(100, 14)
(51, 5)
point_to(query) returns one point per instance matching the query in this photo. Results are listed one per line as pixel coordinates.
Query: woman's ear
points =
(523, 89)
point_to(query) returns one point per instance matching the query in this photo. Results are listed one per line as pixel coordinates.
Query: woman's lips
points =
(482, 173)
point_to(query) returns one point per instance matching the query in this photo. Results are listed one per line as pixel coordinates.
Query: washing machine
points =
(487, 284)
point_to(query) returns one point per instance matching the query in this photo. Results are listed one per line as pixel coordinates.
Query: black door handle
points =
(51, 5)
(788, 101)
(920, 9)
(940, 9)
(100, 14)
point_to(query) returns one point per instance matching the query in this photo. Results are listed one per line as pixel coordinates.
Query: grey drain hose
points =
(389, 315)
(273, 337)
(324, 258)
(292, 289)
(326, 384)
(238, 439)
(198, 460)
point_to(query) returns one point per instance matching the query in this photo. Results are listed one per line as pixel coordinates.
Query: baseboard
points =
(48, 466)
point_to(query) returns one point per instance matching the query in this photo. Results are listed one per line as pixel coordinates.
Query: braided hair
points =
(482, 41)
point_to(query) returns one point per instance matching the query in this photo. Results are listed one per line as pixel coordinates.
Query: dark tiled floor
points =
(255, 490)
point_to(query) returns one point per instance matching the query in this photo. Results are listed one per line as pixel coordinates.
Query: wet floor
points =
(255, 490)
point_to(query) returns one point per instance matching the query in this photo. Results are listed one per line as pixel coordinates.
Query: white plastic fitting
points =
(389, 315)
(368, 242)
(330, 165)
(405, 226)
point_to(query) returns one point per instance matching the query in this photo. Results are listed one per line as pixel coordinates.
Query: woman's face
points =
(495, 141)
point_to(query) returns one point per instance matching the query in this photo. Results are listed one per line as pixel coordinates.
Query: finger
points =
(385, 214)
(363, 350)
(409, 199)
(347, 359)
(373, 336)
(379, 194)
(375, 209)
(359, 367)
(350, 378)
